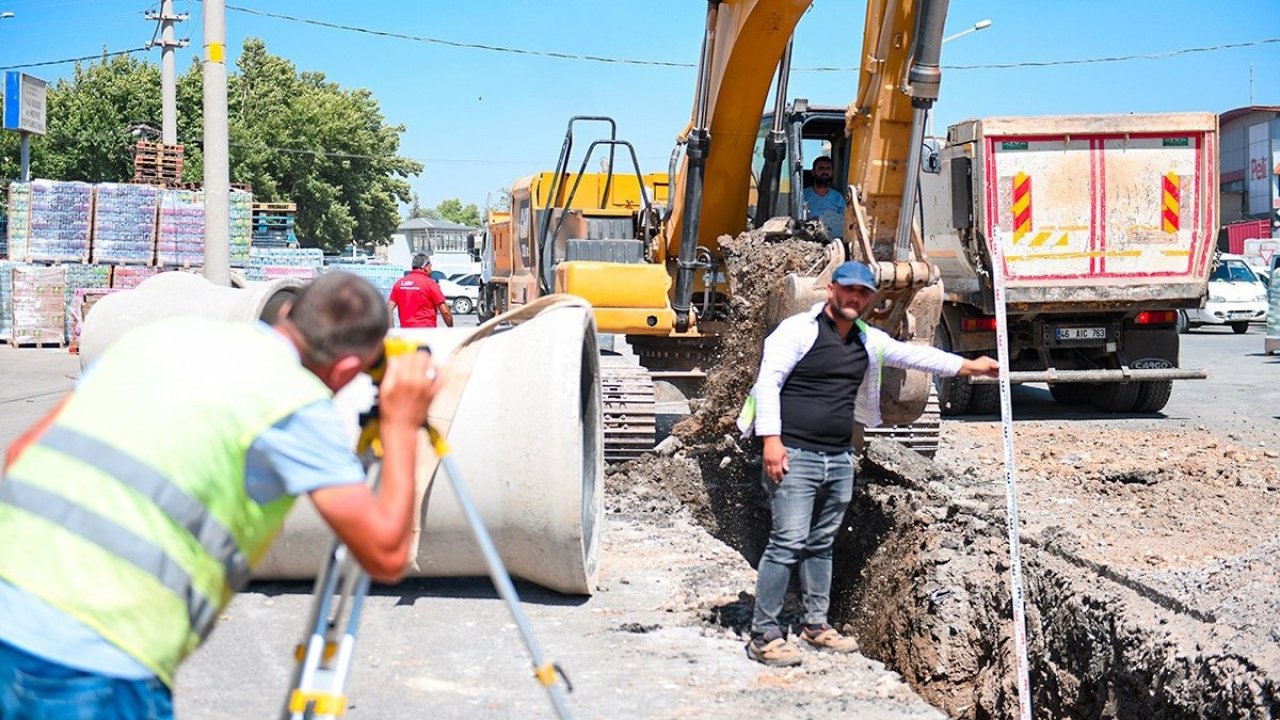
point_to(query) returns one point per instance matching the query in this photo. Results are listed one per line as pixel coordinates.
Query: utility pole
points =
(168, 76)
(217, 162)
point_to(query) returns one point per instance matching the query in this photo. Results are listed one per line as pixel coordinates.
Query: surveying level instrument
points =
(324, 656)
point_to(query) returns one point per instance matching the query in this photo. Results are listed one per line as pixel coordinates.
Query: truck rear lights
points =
(978, 324)
(1156, 317)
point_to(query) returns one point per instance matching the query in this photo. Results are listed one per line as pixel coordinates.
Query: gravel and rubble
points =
(1151, 587)
(1152, 584)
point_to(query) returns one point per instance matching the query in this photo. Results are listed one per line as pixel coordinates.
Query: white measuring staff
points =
(1010, 479)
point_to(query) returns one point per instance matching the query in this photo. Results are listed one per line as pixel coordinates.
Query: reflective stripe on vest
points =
(117, 540)
(172, 500)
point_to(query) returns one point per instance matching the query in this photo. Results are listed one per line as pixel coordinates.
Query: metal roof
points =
(1230, 115)
(431, 224)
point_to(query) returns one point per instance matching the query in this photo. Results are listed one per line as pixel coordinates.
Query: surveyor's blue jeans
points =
(32, 688)
(808, 506)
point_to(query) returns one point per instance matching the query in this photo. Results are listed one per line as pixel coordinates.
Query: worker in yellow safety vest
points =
(134, 511)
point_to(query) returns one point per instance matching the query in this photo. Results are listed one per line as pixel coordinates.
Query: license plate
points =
(1081, 333)
(1239, 314)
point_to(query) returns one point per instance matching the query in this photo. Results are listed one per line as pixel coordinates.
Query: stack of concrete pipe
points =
(526, 434)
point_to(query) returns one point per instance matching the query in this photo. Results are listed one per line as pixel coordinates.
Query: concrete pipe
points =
(526, 432)
(177, 294)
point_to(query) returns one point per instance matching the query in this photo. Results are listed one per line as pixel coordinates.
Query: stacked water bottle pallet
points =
(241, 231)
(124, 223)
(19, 229)
(80, 281)
(273, 225)
(180, 240)
(272, 263)
(157, 163)
(54, 225)
(379, 276)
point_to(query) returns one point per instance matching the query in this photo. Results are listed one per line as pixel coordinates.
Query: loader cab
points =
(812, 131)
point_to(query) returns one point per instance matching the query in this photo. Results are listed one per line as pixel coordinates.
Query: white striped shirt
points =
(795, 336)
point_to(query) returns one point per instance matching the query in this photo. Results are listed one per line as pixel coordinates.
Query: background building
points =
(1250, 165)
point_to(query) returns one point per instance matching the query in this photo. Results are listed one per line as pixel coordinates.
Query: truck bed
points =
(1089, 211)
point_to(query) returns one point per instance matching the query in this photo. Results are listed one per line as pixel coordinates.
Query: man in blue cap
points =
(819, 373)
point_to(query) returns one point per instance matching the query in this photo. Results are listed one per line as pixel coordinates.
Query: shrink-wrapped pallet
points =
(380, 276)
(82, 300)
(81, 278)
(19, 230)
(6, 298)
(124, 277)
(180, 238)
(124, 223)
(60, 218)
(39, 310)
(240, 232)
(303, 263)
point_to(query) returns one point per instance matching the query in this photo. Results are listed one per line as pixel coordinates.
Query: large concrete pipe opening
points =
(175, 294)
(526, 433)
(520, 407)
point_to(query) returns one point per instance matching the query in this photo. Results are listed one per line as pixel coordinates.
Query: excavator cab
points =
(812, 132)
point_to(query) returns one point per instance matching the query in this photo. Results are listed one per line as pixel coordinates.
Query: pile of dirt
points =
(756, 263)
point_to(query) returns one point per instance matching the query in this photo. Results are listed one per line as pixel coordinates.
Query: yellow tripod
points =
(324, 657)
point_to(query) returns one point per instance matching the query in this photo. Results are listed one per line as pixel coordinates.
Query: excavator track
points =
(629, 412)
(922, 435)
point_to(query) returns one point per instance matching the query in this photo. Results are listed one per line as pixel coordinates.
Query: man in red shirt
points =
(416, 297)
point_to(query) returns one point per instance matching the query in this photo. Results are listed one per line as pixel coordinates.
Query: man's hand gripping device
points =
(369, 440)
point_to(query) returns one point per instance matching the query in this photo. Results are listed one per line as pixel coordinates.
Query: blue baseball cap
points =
(853, 273)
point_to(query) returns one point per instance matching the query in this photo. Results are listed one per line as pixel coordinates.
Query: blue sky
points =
(479, 119)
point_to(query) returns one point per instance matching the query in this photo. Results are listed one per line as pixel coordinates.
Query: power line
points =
(662, 63)
(1117, 58)
(455, 44)
(95, 56)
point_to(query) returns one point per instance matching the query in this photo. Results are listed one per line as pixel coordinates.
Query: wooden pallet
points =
(34, 344)
(270, 207)
(144, 145)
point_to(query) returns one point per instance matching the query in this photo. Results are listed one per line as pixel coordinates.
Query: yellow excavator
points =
(654, 271)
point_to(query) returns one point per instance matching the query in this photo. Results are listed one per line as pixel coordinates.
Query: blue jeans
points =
(32, 688)
(808, 506)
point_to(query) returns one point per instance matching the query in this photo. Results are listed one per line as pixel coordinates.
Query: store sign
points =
(24, 102)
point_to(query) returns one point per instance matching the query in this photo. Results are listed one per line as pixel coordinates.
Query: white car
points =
(462, 298)
(1237, 297)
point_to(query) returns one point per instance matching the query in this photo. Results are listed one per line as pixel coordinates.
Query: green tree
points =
(453, 210)
(89, 117)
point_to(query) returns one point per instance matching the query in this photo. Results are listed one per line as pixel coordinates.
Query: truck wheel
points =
(1183, 323)
(954, 395)
(1153, 395)
(1240, 328)
(1070, 393)
(1115, 397)
(985, 400)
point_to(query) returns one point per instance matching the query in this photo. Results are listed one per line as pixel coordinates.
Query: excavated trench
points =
(922, 581)
(1150, 589)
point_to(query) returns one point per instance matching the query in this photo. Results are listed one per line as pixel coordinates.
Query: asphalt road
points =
(448, 649)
